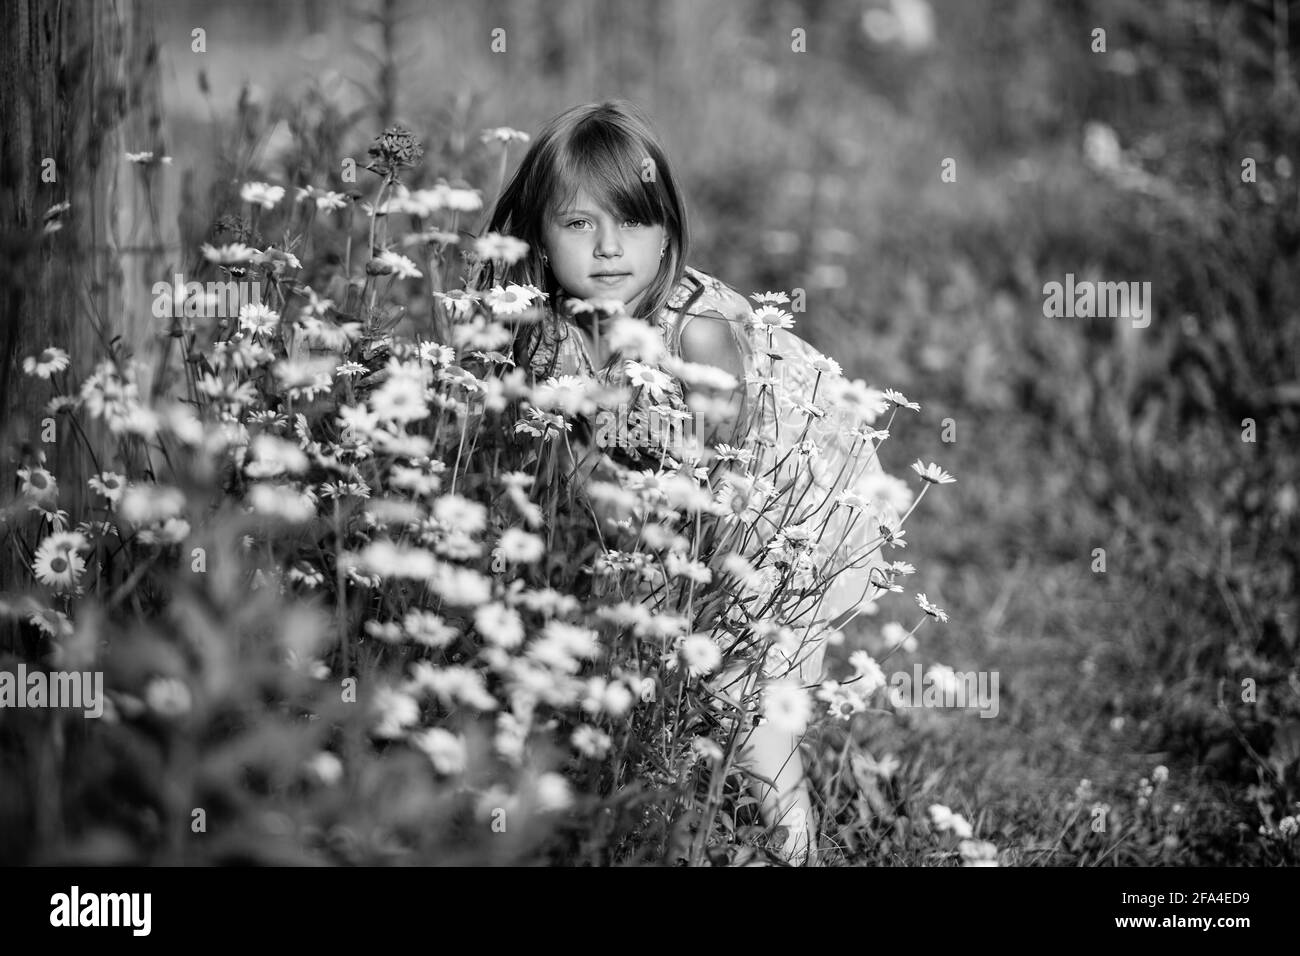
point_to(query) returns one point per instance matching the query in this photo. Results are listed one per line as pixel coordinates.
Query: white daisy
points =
(503, 134)
(395, 710)
(871, 677)
(591, 741)
(866, 402)
(150, 503)
(54, 623)
(850, 499)
(701, 654)
(945, 679)
(304, 574)
(230, 254)
(481, 334)
(613, 697)
(45, 364)
(770, 317)
(57, 563)
(653, 380)
(866, 433)
(730, 453)
(681, 566)
(325, 768)
(899, 399)
(261, 194)
(518, 546)
(811, 409)
(258, 319)
(464, 587)
(458, 302)
(109, 484)
(944, 819)
(427, 628)
(462, 200)
(932, 473)
(931, 609)
(277, 259)
(436, 354)
(358, 420)
(60, 404)
(387, 631)
(786, 706)
(434, 236)
(444, 749)
(42, 486)
(281, 501)
(706, 748)
(458, 513)
(500, 625)
(842, 702)
(895, 635)
(397, 263)
(636, 339)
(512, 299)
(597, 306)
(699, 376)
(978, 853)
(168, 697)
(552, 792)
(389, 560)
(496, 246)
(273, 456)
(330, 200)
(325, 200)
(401, 398)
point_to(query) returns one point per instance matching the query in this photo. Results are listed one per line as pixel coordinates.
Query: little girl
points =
(596, 201)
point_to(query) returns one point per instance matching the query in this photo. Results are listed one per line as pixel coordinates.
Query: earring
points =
(662, 251)
(545, 261)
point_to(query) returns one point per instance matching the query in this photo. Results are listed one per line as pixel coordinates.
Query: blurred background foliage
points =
(821, 170)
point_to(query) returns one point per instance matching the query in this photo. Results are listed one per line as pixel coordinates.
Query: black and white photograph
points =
(790, 434)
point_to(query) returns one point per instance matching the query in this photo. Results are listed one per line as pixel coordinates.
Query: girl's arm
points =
(710, 339)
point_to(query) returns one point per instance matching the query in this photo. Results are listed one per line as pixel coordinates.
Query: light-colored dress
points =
(815, 442)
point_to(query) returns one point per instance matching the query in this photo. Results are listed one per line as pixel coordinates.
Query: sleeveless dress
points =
(816, 452)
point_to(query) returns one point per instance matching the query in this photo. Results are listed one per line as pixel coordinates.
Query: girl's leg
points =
(775, 754)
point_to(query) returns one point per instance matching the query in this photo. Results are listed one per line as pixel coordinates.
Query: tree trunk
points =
(78, 87)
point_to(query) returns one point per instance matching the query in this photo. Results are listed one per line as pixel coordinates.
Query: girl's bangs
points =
(613, 182)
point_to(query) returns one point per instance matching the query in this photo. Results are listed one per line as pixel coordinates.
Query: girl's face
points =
(595, 255)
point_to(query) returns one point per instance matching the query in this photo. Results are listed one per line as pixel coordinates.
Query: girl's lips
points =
(611, 280)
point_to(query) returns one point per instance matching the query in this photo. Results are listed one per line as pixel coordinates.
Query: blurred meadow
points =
(1120, 545)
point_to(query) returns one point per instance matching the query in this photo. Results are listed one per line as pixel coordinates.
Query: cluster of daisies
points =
(380, 452)
(401, 477)
(803, 511)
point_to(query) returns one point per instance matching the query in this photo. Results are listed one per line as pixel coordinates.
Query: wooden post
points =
(78, 87)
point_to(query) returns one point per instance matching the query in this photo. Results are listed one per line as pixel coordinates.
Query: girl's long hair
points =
(610, 149)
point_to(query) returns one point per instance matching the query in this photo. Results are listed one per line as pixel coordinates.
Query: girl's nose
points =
(607, 243)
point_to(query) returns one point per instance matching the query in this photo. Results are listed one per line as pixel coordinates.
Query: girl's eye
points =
(634, 223)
